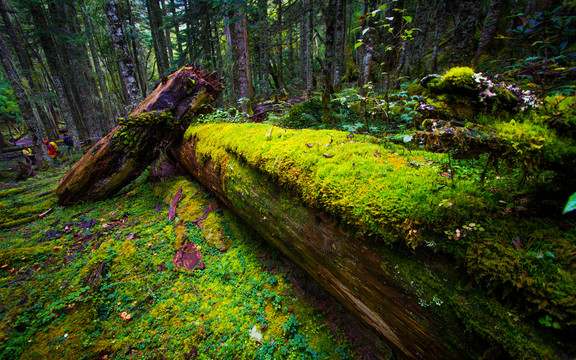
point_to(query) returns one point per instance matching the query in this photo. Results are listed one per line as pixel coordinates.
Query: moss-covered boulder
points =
(462, 94)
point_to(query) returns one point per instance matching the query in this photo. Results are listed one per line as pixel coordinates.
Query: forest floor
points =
(98, 281)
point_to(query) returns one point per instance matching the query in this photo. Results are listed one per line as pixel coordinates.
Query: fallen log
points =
(122, 155)
(349, 268)
(422, 301)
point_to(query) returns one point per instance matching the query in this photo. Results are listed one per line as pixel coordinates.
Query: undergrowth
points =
(96, 280)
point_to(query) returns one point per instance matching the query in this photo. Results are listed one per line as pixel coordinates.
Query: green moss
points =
(57, 306)
(153, 118)
(398, 195)
(459, 79)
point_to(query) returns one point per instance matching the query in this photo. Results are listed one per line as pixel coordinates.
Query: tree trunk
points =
(158, 35)
(33, 123)
(130, 147)
(263, 47)
(55, 64)
(104, 93)
(489, 29)
(306, 46)
(464, 30)
(280, 49)
(355, 270)
(33, 89)
(125, 64)
(133, 35)
(242, 73)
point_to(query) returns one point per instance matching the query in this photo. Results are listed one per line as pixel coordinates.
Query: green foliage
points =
(9, 110)
(544, 41)
(221, 116)
(570, 205)
(307, 114)
(97, 279)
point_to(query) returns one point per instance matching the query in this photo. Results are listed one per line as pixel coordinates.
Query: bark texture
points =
(130, 147)
(125, 63)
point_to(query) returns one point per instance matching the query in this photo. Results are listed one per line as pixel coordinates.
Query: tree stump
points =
(137, 140)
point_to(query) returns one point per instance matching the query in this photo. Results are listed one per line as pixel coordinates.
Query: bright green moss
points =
(459, 79)
(141, 306)
(397, 195)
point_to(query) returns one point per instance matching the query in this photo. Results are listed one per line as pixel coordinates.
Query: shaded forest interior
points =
(475, 97)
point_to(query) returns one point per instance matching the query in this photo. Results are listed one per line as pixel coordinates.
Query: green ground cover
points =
(96, 280)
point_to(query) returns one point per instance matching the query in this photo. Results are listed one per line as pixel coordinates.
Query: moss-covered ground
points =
(97, 281)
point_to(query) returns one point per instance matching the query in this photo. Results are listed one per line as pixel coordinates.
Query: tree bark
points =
(263, 49)
(137, 141)
(125, 63)
(306, 49)
(242, 72)
(489, 29)
(464, 30)
(25, 108)
(158, 35)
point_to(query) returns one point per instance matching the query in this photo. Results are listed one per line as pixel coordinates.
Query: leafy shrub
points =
(304, 115)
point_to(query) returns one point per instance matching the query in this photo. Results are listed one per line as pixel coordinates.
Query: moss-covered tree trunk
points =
(123, 154)
(354, 269)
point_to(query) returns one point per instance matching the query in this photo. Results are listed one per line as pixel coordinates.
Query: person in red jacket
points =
(51, 148)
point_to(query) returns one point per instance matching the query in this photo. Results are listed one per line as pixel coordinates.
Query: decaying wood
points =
(122, 155)
(174, 203)
(188, 257)
(349, 267)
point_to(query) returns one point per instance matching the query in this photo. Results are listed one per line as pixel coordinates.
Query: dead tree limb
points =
(137, 140)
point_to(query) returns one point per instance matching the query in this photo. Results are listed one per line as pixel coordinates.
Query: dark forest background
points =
(78, 65)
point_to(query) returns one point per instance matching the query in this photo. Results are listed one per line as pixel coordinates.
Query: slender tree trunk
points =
(280, 65)
(176, 29)
(158, 35)
(306, 46)
(140, 69)
(33, 88)
(34, 125)
(489, 29)
(125, 64)
(107, 124)
(168, 35)
(339, 44)
(77, 70)
(335, 22)
(241, 60)
(263, 48)
(55, 65)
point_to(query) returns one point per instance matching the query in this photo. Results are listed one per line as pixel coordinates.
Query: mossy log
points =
(370, 223)
(349, 267)
(122, 155)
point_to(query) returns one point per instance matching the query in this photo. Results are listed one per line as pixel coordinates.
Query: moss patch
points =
(96, 280)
